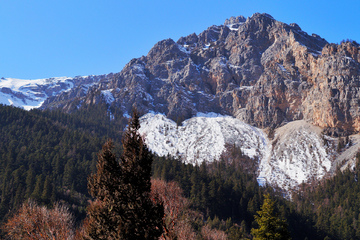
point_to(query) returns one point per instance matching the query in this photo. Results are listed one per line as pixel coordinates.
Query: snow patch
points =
(183, 49)
(29, 94)
(248, 88)
(234, 27)
(296, 155)
(282, 68)
(108, 96)
(349, 58)
(206, 46)
(210, 115)
(201, 138)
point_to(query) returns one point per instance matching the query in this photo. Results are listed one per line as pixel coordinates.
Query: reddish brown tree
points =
(175, 204)
(38, 222)
(212, 234)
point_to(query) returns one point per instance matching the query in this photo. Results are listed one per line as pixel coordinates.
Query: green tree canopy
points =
(271, 227)
(123, 208)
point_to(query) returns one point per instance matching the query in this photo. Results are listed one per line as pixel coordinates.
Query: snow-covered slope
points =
(201, 138)
(30, 94)
(296, 154)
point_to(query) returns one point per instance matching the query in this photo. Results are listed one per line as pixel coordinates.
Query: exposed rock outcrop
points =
(260, 70)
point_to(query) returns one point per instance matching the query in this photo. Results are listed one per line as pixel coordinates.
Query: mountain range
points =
(284, 97)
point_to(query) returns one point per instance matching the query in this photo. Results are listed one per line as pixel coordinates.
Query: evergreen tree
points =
(271, 227)
(46, 194)
(38, 188)
(123, 208)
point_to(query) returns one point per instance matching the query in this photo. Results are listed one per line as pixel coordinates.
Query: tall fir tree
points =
(271, 226)
(123, 208)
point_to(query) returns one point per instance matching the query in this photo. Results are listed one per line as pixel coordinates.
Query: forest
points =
(47, 156)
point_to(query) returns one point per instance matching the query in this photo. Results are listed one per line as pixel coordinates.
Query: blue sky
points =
(42, 38)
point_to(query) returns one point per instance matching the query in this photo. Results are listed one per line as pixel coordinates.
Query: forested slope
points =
(47, 155)
(227, 191)
(333, 204)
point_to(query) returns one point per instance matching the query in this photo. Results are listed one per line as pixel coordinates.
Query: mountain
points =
(281, 95)
(29, 94)
(259, 70)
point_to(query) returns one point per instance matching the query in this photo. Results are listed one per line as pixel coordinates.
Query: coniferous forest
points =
(47, 156)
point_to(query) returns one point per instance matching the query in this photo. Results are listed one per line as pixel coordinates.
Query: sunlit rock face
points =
(259, 70)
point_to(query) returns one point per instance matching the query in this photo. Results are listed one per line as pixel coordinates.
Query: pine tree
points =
(46, 193)
(271, 227)
(123, 208)
(145, 217)
(36, 194)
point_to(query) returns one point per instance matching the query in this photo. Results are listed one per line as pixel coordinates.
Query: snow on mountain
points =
(108, 96)
(201, 138)
(296, 154)
(30, 94)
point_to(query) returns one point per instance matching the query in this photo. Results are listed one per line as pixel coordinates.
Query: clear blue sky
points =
(45, 38)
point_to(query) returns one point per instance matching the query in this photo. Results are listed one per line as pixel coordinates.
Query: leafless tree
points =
(34, 222)
(176, 219)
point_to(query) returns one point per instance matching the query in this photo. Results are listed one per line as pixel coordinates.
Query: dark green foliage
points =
(270, 225)
(94, 119)
(48, 155)
(123, 208)
(221, 188)
(232, 192)
(334, 204)
(104, 186)
(144, 216)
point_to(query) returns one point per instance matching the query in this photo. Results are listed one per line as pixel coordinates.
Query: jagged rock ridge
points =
(262, 71)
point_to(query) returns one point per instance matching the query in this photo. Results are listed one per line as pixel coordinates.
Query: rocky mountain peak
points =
(235, 20)
(260, 70)
(295, 26)
(165, 50)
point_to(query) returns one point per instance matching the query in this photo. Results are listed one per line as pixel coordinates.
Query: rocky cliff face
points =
(262, 71)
